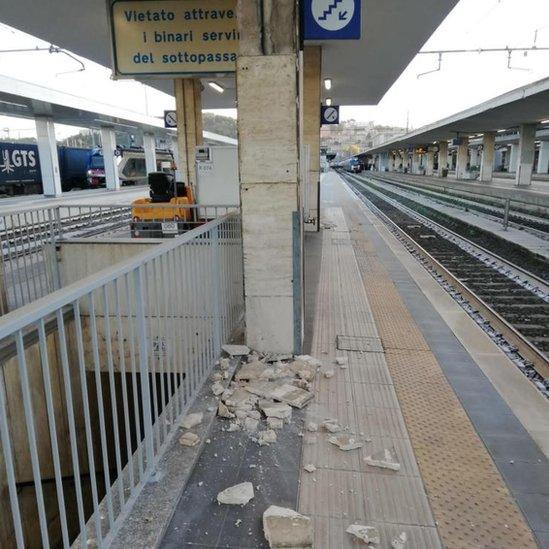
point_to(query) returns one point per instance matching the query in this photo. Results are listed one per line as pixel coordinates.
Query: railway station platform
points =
(419, 378)
(94, 197)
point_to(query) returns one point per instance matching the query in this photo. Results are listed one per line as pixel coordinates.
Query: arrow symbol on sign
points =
(342, 15)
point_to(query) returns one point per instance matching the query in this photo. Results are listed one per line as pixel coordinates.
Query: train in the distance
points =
(80, 168)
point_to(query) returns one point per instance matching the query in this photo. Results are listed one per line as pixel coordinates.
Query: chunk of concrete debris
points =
(331, 425)
(189, 439)
(216, 376)
(254, 414)
(366, 534)
(233, 426)
(386, 459)
(302, 384)
(399, 542)
(328, 374)
(192, 420)
(217, 388)
(266, 437)
(279, 410)
(305, 370)
(241, 398)
(275, 357)
(236, 495)
(251, 425)
(275, 423)
(294, 396)
(309, 360)
(310, 468)
(224, 363)
(311, 426)
(236, 350)
(287, 528)
(345, 442)
(254, 370)
(223, 411)
(342, 361)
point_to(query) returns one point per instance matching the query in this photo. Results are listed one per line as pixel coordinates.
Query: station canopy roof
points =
(26, 100)
(362, 71)
(526, 105)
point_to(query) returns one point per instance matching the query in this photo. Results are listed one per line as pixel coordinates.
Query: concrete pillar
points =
(462, 158)
(513, 158)
(312, 81)
(188, 104)
(405, 159)
(442, 157)
(175, 151)
(526, 155)
(488, 155)
(49, 161)
(543, 158)
(149, 146)
(267, 93)
(416, 163)
(430, 162)
(391, 162)
(108, 145)
(473, 160)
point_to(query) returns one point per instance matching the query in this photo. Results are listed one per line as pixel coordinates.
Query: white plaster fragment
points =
(366, 534)
(345, 442)
(236, 495)
(192, 420)
(275, 423)
(223, 411)
(266, 437)
(251, 425)
(287, 528)
(233, 426)
(236, 350)
(217, 388)
(309, 360)
(254, 414)
(328, 374)
(304, 370)
(224, 363)
(189, 439)
(310, 468)
(311, 426)
(399, 542)
(385, 459)
(331, 425)
(275, 409)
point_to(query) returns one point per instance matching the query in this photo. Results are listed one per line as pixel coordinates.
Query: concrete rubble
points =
(345, 442)
(266, 437)
(287, 528)
(275, 423)
(217, 388)
(331, 425)
(342, 361)
(385, 459)
(366, 534)
(329, 373)
(310, 468)
(399, 542)
(240, 494)
(192, 420)
(189, 439)
(311, 426)
(279, 410)
(223, 411)
(236, 350)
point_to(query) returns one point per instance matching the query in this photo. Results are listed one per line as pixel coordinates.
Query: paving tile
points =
(536, 508)
(512, 447)
(525, 476)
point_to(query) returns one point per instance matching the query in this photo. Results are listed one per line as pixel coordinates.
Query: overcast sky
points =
(464, 80)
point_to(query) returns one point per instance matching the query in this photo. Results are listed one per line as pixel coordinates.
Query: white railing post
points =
(140, 299)
(216, 276)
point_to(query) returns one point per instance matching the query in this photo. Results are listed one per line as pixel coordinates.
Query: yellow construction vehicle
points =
(167, 213)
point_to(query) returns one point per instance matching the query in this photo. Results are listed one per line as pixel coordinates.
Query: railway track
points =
(514, 301)
(517, 217)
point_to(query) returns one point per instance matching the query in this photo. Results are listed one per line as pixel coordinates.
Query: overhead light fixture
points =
(328, 83)
(217, 87)
(13, 104)
(328, 102)
(111, 123)
(501, 131)
(544, 122)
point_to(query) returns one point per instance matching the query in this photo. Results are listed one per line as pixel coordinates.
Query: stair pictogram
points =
(330, 10)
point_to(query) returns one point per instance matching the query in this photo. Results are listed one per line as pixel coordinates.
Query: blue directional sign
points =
(331, 19)
(329, 115)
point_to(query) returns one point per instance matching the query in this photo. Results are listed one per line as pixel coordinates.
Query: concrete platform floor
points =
(88, 197)
(462, 420)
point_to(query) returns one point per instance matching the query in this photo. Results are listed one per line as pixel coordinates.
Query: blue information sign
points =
(331, 19)
(329, 115)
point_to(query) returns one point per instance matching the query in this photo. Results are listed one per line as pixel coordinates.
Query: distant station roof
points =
(25, 100)
(362, 70)
(526, 105)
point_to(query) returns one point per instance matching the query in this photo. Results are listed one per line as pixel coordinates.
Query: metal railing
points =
(96, 376)
(27, 272)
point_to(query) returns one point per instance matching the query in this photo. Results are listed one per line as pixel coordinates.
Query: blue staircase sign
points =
(331, 19)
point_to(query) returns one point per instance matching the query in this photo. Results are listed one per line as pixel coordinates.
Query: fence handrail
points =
(49, 304)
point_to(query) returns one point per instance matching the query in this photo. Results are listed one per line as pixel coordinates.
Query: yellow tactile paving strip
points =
(344, 489)
(470, 501)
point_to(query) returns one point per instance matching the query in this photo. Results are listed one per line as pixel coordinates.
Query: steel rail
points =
(527, 274)
(527, 350)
